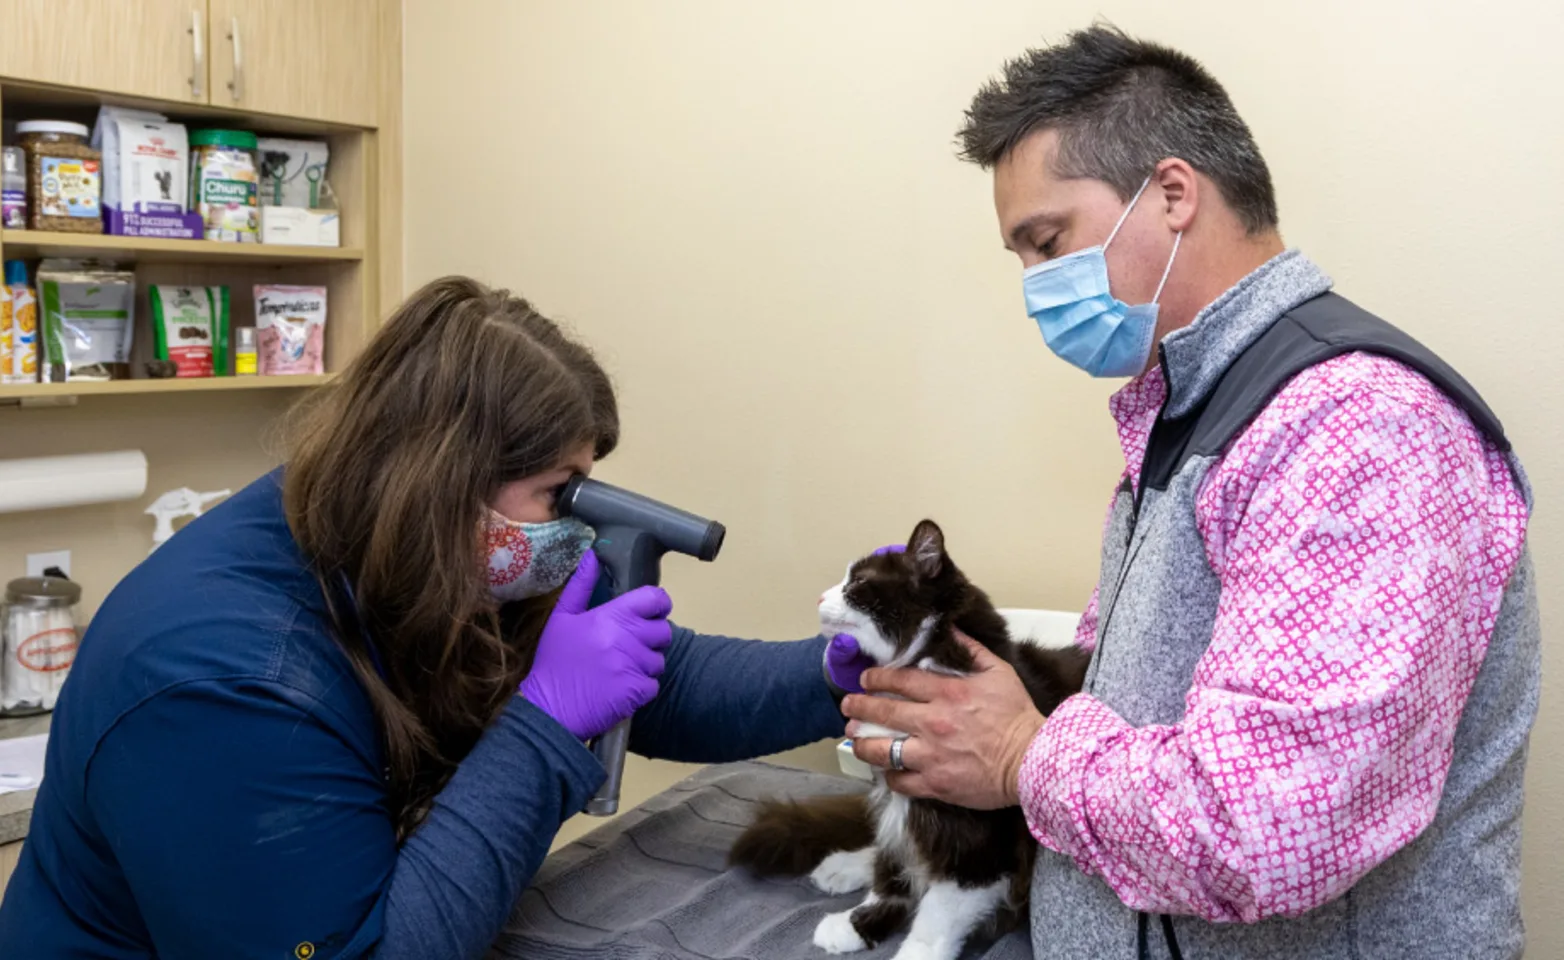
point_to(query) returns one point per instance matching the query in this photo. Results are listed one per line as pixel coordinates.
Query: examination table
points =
(653, 884)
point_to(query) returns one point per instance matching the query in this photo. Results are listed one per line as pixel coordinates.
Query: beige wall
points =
(215, 442)
(754, 211)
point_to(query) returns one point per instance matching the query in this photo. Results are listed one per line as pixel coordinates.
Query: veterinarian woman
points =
(342, 715)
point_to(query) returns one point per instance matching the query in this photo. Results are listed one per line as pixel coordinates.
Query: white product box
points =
(300, 227)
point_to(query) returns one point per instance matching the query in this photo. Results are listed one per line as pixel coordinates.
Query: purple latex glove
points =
(845, 663)
(596, 667)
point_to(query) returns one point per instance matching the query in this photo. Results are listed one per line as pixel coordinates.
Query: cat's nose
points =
(821, 600)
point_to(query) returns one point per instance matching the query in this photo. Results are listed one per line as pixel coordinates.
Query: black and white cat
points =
(947, 870)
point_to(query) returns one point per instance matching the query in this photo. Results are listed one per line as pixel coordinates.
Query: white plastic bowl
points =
(1046, 628)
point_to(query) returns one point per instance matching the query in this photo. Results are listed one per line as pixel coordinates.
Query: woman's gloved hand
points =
(845, 664)
(844, 661)
(596, 667)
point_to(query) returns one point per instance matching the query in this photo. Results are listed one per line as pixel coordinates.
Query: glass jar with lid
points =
(39, 625)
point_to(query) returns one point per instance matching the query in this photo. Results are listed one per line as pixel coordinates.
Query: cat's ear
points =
(926, 548)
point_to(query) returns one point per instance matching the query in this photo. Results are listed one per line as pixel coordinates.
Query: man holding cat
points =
(1315, 632)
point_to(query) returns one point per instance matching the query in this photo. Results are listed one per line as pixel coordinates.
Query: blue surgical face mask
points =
(1080, 318)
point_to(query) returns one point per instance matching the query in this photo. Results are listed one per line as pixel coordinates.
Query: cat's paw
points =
(844, 872)
(836, 934)
(916, 949)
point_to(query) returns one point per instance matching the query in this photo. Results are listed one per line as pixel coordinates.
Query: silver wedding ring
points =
(896, 745)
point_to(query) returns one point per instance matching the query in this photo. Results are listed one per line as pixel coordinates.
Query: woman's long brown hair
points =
(390, 469)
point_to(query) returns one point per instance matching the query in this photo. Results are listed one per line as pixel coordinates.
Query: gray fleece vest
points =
(1454, 891)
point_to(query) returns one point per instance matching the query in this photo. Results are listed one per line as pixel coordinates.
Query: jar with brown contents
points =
(63, 177)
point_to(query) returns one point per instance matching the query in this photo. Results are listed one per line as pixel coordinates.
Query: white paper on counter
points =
(24, 756)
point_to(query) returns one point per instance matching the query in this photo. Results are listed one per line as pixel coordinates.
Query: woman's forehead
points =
(579, 458)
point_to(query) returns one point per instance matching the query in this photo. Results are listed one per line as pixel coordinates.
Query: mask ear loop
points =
(1126, 214)
(1169, 269)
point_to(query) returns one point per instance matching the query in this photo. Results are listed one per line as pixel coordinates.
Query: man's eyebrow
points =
(1020, 230)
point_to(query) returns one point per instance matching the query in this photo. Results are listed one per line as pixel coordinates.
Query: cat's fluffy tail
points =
(790, 838)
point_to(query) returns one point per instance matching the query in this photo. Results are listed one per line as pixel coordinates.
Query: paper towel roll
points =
(43, 483)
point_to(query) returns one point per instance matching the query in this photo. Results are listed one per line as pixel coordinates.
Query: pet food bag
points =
(190, 329)
(290, 325)
(293, 172)
(146, 162)
(88, 315)
(5, 334)
(23, 328)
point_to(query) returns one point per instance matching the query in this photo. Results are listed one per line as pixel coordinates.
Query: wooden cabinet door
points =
(144, 48)
(300, 58)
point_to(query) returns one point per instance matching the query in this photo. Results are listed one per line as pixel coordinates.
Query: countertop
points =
(16, 809)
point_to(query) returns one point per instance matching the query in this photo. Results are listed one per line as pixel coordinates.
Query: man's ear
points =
(926, 548)
(1180, 192)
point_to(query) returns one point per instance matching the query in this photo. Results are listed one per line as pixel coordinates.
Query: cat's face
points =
(890, 602)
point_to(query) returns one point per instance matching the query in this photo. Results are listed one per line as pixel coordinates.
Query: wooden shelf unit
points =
(89, 388)
(350, 273)
(36, 245)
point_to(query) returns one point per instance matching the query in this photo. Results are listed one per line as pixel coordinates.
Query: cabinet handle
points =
(236, 85)
(198, 48)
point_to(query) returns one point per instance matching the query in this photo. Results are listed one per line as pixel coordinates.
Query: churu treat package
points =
(190, 329)
(290, 329)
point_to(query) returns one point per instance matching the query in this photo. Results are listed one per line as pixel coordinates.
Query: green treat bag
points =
(86, 317)
(190, 329)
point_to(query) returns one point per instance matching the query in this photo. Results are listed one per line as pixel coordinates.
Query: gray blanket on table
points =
(653, 884)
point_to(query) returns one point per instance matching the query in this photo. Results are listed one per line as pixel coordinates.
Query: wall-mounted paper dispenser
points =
(44, 483)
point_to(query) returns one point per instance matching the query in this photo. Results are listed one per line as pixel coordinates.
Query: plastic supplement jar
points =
(63, 177)
(225, 185)
(13, 188)
(244, 352)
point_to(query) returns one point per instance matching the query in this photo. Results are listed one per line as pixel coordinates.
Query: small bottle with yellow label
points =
(244, 352)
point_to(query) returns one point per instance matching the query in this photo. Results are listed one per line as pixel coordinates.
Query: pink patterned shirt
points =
(1363, 532)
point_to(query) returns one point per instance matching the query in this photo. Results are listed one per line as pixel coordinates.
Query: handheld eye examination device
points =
(633, 533)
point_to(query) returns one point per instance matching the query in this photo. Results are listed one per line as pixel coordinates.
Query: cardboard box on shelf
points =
(301, 227)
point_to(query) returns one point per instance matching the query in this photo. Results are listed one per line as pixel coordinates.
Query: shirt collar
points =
(1195, 357)
(1134, 408)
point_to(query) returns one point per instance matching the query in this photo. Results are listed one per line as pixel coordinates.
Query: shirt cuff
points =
(557, 747)
(1054, 772)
